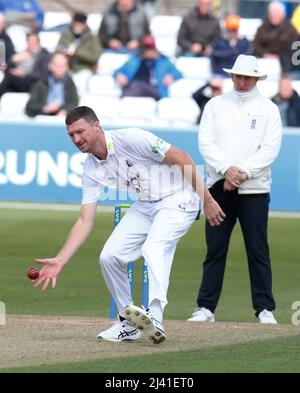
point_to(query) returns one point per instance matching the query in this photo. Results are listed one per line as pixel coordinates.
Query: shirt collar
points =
(109, 146)
(249, 95)
(109, 143)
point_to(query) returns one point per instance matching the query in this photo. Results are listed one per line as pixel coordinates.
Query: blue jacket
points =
(163, 67)
(24, 6)
(223, 55)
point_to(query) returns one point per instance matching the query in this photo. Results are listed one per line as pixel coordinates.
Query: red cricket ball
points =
(33, 273)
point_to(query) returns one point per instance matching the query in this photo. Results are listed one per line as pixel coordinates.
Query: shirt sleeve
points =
(147, 145)
(209, 150)
(91, 189)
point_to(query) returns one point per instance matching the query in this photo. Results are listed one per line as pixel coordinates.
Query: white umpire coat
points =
(242, 130)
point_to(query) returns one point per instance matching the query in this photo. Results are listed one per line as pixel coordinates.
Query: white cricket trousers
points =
(150, 230)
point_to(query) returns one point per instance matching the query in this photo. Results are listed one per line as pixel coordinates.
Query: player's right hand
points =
(51, 269)
(213, 212)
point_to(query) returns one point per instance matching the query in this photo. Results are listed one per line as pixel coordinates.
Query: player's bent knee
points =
(105, 258)
(108, 257)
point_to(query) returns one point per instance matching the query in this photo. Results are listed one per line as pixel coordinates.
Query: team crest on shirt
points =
(155, 148)
(253, 124)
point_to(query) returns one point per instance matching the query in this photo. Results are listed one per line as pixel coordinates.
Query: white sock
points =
(156, 309)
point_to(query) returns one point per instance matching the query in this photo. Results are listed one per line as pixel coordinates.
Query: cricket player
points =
(168, 190)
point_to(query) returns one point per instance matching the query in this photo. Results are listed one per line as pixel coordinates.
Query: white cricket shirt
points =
(134, 163)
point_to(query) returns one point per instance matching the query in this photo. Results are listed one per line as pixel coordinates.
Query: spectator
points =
(23, 12)
(288, 102)
(56, 94)
(148, 73)
(198, 30)
(206, 92)
(80, 45)
(275, 36)
(226, 49)
(4, 37)
(123, 25)
(26, 67)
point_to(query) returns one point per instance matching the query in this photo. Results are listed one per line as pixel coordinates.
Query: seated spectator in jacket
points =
(148, 73)
(23, 12)
(8, 44)
(123, 25)
(56, 94)
(80, 45)
(226, 49)
(26, 67)
(205, 93)
(288, 102)
(275, 36)
(198, 30)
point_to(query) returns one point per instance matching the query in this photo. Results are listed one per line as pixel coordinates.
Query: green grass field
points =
(29, 234)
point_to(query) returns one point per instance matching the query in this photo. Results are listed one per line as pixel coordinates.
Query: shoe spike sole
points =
(142, 323)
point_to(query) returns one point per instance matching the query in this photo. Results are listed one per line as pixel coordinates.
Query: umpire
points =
(239, 138)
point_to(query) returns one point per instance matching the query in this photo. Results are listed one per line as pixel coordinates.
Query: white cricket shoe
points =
(145, 320)
(119, 331)
(202, 314)
(266, 316)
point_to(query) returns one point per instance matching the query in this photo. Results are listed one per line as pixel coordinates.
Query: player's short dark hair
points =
(81, 112)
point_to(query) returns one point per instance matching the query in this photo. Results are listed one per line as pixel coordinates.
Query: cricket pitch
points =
(42, 340)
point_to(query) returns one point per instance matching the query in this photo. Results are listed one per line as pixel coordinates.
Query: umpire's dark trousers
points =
(252, 212)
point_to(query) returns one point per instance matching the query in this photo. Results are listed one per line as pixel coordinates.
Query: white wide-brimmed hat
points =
(246, 65)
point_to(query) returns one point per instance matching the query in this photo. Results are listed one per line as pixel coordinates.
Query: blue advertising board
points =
(39, 163)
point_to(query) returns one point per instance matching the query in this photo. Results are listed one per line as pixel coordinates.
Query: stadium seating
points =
(271, 67)
(104, 85)
(18, 36)
(184, 88)
(50, 119)
(138, 107)
(49, 40)
(165, 29)
(194, 67)
(93, 22)
(81, 80)
(165, 25)
(54, 19)
(102, 93)
(103, 105)
(182, 111)
(166, 46)
(248, 27)
(14, 103)
(108, 62)
(268, 88)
